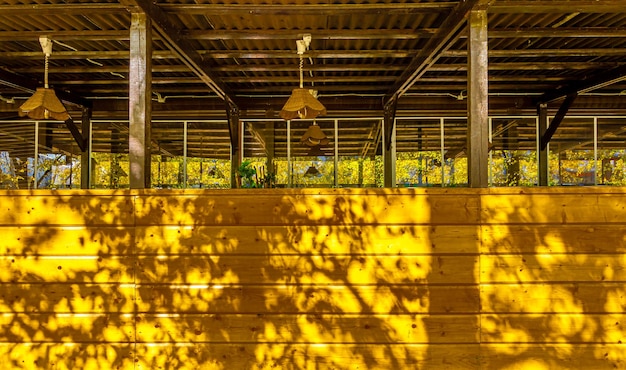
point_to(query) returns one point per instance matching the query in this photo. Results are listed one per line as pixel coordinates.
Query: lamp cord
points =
(301, 64)
(45, 73)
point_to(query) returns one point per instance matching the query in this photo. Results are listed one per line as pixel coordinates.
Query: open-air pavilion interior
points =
(400, 81)
(365, 184)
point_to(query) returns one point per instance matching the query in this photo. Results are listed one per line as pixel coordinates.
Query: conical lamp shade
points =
(44, 104)
(312, 172)
(301, 104)
(314, 136)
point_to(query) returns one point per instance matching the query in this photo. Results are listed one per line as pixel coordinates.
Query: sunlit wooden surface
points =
(313, 279)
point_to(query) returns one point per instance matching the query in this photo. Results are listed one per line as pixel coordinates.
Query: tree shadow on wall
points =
(552, 273)
(66, 267)
(370, 279)
(267, 279)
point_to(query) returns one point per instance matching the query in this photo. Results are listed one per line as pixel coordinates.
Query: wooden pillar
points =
(477, 102)
(389, 145)
(85, 160)
(235, 128)
(139, 100)
(542, 113)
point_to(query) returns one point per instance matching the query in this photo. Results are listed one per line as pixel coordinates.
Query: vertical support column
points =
(139, 100)
(269, 136)
(542, 152)
(477, 102)
(235, 128)
(389, 145)
(85, 154)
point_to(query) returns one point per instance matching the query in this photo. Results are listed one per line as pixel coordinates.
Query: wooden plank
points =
(314, 299)
(308, 356)
(307, 269)
(553, 267)
(66, 298)
(531, 239)
(281, 209)
(554, 208)
(322, 239)
(311, 329)
(561, 328)
(67, 328)
(62, 356)
(66, 240)
(77, 269)
(553, 356)
(66, 208)
(553, 298)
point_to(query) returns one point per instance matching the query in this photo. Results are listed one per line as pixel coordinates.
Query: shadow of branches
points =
(304, 279)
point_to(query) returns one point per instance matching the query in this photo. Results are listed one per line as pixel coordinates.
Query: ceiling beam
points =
(320, 54)
(595, 82)
(63, 9)
(431, 51)
(309, 9)
(558, 6)
(29, 86)
(556, 121)
(319, 34)
(171, 36)
(569, 32)
(539, 53)
(227, 68)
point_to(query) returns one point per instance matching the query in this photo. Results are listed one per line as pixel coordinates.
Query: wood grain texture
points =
(295, 299)
(325, 278)
(307, 239)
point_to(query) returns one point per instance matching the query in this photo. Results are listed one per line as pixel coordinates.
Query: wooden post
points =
(542, 112)
(236, 133)
(389, 145)
(139, 100)
(85, 160)
(477, 101)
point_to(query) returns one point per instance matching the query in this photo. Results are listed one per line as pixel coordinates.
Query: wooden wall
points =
(522, 278)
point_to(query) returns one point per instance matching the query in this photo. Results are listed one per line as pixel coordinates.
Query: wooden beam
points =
(29, 86)
(321, 34)
(63, 9)
(78, 137)
(319, 54)
(310, 9)
(557, 6)
(540, 53)
(556, 121)
(171, 36)
(595, 82)
(431, 52)
(568, 32)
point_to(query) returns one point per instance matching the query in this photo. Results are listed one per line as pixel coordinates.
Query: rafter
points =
(189, 56)
(29, 86)
(558, 6)
(309, 9)
(320, 54)
(432, 50)
(595, 82)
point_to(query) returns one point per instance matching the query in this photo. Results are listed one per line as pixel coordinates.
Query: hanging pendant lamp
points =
(312, 171)
(44, 103)
(314, 136)
(302, 103)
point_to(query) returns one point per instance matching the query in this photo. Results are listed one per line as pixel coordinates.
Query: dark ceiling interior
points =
(361, 54)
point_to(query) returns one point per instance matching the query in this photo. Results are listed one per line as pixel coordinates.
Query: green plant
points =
(247, 172)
